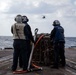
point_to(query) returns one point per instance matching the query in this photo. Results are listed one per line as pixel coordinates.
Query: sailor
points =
(20, 43)
(29, 39)
(57, 36)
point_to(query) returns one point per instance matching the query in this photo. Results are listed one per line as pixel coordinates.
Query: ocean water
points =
(7, 42)
(70, 42)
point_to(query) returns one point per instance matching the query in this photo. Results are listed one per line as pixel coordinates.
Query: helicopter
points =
(43, 17)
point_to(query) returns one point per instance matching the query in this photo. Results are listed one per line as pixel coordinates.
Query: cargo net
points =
(43, 52)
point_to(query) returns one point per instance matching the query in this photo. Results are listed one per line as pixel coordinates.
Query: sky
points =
(62, 10)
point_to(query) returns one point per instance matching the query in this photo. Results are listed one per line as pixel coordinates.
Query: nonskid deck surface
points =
(6, 63)
(46, 71)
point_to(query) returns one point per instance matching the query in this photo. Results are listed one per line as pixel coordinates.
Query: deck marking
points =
(71, 71)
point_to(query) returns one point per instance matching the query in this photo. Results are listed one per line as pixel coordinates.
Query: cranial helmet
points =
(25, 19)
(56, 22)
(18, 18)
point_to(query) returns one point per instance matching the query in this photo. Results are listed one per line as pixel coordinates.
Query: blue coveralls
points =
(57, 35)
(29, 38)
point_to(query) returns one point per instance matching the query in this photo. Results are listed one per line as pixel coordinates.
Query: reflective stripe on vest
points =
(18, 31)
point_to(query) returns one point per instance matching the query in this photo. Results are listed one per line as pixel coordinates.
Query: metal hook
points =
(36, 30)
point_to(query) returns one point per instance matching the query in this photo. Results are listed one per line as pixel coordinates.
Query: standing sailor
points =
(57, 36)
(29, 39)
